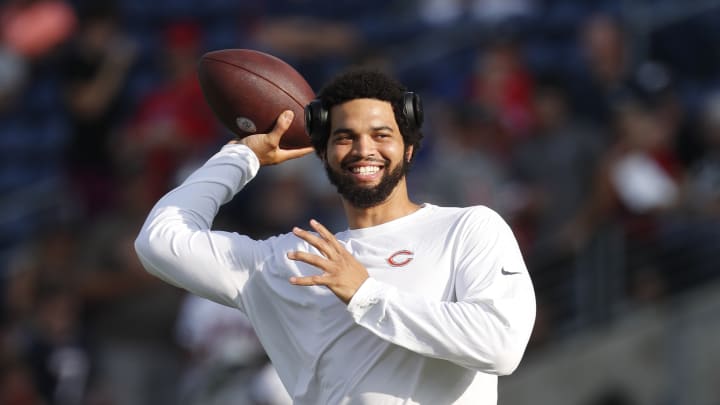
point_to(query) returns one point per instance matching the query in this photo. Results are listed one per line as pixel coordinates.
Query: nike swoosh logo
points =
(508, 273)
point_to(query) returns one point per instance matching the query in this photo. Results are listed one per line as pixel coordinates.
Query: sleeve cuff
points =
(365, 297)
(243, 151)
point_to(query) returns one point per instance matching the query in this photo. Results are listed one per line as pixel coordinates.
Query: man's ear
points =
(409, 153)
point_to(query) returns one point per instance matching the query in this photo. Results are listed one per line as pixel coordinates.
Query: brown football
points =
(248, 90)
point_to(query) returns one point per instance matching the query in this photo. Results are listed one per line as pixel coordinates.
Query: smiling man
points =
(413, 304)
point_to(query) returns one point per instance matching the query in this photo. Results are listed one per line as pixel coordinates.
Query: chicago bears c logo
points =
(400, 258)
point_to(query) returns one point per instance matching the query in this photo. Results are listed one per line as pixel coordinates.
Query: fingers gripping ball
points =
(248, 90)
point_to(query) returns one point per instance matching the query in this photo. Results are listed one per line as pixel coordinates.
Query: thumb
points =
(281, 125)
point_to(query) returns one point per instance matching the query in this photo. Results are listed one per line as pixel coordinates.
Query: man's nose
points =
(364, 146)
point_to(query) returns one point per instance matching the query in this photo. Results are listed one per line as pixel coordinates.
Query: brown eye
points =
(342, 139)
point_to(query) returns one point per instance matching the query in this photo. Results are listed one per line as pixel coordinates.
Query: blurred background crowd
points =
(592, 126)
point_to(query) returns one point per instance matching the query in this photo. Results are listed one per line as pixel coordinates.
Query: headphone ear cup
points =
(413, 109)
(315, 119)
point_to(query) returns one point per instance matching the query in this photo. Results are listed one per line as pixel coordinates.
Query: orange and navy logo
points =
(400, 258)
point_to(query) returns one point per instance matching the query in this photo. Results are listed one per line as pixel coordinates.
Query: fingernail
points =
(288, 115)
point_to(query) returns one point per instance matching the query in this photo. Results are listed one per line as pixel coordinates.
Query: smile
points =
(365, 169)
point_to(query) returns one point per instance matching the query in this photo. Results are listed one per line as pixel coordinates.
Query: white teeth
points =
(365, 169)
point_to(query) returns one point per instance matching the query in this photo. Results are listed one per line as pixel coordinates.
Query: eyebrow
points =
(350, 131)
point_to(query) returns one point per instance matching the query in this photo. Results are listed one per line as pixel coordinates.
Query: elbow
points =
(508, 360)
(143, 248)
(509, 353)
(142, 243)
(514, 338)
(146, 250)
(501, 358)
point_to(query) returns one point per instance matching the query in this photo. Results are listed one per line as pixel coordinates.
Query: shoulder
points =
(473, 226)
(486, 216)
(476, 215)
(283, 243)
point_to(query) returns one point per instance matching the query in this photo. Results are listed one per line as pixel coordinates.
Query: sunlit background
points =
(592, 126)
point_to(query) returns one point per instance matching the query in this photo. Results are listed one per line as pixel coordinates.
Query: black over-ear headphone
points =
(317, 123)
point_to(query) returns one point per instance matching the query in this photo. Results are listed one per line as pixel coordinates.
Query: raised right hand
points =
(267, 146)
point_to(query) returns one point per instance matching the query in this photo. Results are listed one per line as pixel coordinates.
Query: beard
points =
(366, 197)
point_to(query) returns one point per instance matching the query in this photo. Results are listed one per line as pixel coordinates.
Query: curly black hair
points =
(368, 83)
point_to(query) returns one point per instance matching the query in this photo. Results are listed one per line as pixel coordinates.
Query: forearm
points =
(488, 335)
(176, 243)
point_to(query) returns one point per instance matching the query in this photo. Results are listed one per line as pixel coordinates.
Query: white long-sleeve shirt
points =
(449, 304)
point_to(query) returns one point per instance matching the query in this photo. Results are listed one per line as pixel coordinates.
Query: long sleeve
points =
(487, 326)
(176, 243)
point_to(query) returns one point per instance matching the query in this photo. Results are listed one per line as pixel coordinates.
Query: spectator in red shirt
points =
(173, 122)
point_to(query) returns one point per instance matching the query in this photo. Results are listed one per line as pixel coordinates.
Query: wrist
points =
(365, 296)
(243, 152)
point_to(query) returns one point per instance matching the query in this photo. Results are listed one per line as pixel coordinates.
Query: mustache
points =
(351, 160)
